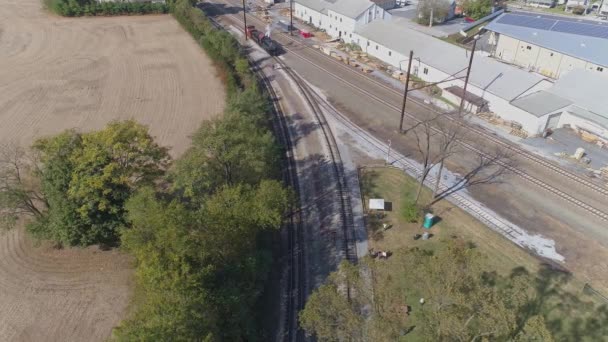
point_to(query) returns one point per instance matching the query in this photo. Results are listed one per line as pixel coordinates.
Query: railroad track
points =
(530, 156)
(296, 274)
(346, 218)
(522, 174)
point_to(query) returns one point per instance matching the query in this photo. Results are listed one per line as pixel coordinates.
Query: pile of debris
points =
(513, 127)
(592, 138)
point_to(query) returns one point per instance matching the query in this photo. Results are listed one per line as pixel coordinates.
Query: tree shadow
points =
(214, 9)
(568, 316)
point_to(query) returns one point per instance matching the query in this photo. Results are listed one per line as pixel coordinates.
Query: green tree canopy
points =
(463, 302)
(201, 271)
(477, 9)
(229, 150)
(87, 177)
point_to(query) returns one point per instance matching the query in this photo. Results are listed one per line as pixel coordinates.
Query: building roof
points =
(498, 78)
(581, 91)
(469, 97)
(586, 89)
(541, 103)
(348, 8)
(584, 39)
(317, 5)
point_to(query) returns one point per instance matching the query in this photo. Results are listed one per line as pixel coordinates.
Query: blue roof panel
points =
(578, 38)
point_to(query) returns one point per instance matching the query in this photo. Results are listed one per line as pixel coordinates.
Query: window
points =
(425, 71)
(368, 43)
(350, 35)
(329, 25)
(390, 53)
(529, 47)
(340, 19)
(551, 54)
(376, 47)
(600, 69)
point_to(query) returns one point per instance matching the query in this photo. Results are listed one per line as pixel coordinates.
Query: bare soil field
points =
(47, 294)
(59, 73)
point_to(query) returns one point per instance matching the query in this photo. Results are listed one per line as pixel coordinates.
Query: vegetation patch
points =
(197, 226)
(475, 285)
(77, 8)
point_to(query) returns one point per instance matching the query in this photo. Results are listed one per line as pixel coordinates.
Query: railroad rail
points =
(530, 156)
(296, 274)
(522, 174)
(346, 218)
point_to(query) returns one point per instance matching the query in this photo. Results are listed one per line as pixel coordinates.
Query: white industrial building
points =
(340, 18)
(496, 83)
(513, 93)
(549, 45)
(577, 100)
(603, 9)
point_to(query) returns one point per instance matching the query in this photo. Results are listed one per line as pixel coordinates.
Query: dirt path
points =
(58, 73)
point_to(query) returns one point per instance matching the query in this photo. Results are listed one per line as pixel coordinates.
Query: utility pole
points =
(291, 17)
(407, 84)
(245, 20)
(466, 80)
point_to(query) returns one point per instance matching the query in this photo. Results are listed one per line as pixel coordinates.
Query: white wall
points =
(310, 16)
(506, 48)
(543, 61)
(340, 25)
(337, 25)
(578, 122)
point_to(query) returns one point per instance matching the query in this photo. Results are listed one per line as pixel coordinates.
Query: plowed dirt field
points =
(59, 73)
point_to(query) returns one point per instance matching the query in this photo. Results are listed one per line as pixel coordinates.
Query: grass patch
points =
(569, 313)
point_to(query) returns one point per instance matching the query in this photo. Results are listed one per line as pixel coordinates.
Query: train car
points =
(263, 41)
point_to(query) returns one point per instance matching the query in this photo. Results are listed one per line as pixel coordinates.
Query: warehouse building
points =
(576, 100)
(549, 45)
(492, 87)
(340, 18)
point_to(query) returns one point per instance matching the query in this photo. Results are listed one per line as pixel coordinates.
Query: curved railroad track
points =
(522, 174)
(296, 273)
(346, 218)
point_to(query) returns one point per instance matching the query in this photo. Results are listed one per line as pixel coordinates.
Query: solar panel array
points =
(582, 28)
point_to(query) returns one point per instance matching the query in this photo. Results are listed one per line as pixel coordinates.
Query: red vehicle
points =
(305, 34)
(469, 19)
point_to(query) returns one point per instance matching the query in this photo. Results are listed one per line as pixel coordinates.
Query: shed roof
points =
(584, 39)
(498, 78)
(541, 103)
(469, 97)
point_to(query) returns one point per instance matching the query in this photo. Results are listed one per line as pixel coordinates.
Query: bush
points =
(578, 10)
(77, 8)
(410, 211)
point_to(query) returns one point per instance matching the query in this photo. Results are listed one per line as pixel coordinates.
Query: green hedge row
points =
(77, 8)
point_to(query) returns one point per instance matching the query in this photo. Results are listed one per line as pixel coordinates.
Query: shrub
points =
(77, 8)
(410, 211)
